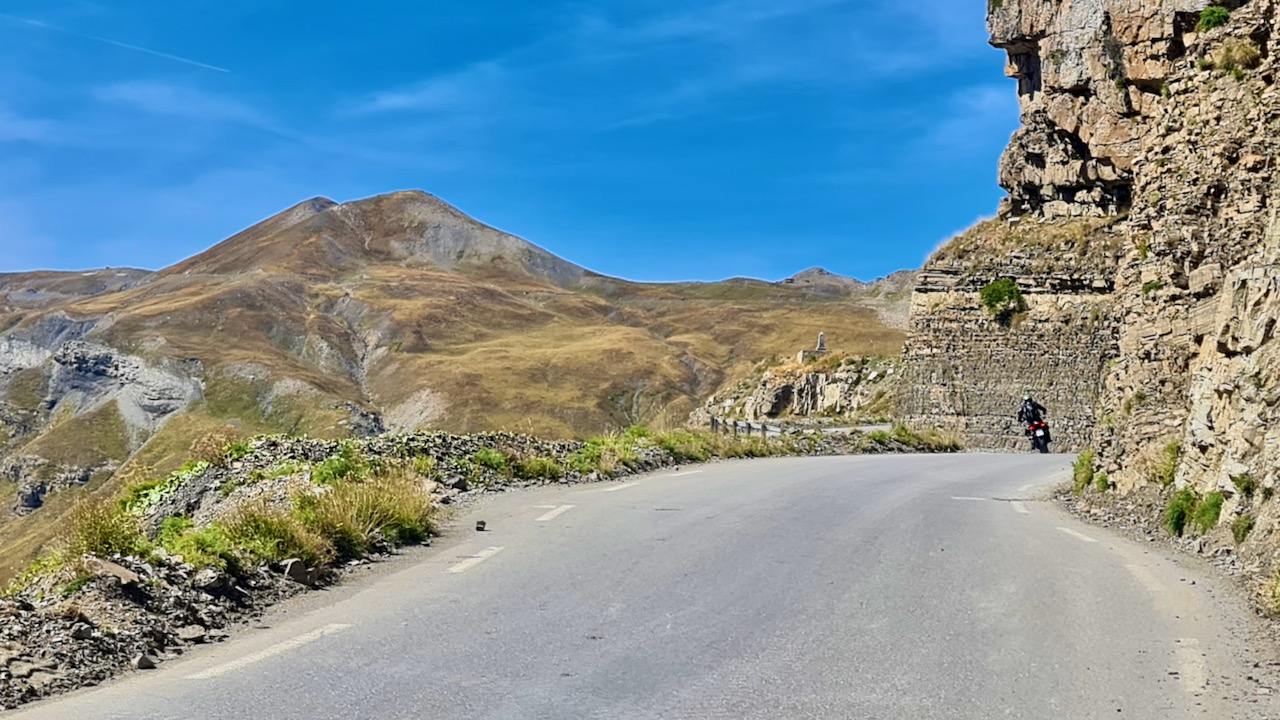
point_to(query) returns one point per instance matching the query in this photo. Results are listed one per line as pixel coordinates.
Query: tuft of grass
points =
(270, 535)
(1245, 484)
(537, 468)
(423, 465)
(1082, 472)
(1166, 465)
(1102, 483)
(104, 529)
(490, 458)
(1241, 528)
(212, 447)
(142, 497)
(1208, 511)
(1179, 511)
(685, 446)
(208, 546)
(1214, 16)
(1152, 286)
(354, 515)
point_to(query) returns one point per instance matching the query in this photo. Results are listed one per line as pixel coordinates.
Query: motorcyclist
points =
(1031, 411)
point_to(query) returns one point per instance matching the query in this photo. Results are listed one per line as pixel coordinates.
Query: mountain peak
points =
(320, 237)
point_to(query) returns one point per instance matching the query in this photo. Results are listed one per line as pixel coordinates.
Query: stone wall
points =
(966, 370)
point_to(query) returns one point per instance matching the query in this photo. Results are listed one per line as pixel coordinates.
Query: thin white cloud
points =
(160, 98)
(114, 43)
(16, 128)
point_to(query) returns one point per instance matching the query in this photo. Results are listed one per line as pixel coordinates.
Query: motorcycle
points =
(1038, 431)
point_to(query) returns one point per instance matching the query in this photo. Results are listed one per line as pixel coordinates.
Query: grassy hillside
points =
(398, 308)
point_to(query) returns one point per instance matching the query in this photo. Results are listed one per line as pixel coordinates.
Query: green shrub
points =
(272, 535)
(237, 450)
(347, 463)
(538, 468)
(104, 529)
(879, 437)
(1178, 513)
(1002, 298)
(352, 515)
(209, 546)
(1208, 511)
(1082, 472)
(1151, 286)
(586, 459)
(490, 458)
(1241, 528)
(1214, 16)
(1237, 55)
(1102, 483)
(1245, 484)
(423, 465)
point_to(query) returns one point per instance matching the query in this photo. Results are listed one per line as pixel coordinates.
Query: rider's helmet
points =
(1026, 396)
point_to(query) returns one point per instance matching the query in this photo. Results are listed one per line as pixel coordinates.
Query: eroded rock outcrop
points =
(852, 388)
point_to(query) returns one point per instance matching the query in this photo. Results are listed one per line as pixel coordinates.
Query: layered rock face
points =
(1089, 72)
(1169, 134)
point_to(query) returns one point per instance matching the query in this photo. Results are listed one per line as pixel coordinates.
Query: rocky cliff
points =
(1152, 126)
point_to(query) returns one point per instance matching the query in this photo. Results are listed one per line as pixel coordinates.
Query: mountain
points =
(396, 312)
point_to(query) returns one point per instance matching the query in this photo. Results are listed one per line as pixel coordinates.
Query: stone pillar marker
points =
(822, 342)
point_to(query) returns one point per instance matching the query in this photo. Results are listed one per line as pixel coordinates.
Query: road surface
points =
(863, 587)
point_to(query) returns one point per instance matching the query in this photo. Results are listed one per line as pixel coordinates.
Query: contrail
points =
(107, 41)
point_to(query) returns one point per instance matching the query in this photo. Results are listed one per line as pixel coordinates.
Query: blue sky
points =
(649, 139)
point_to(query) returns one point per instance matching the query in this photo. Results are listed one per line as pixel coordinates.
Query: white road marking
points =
(555, 513)
(969, 499)
(1077, 535)
(623, 486)
(272, 651)
(1022, 509)
(546, 507)
(474, 560)
(1194, 672)
(682, 474)
(1146, 577)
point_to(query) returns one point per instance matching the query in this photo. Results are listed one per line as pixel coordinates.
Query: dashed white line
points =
(1077, 535)
(969, 499)
(474, 560)
(247, 660)
(555, 513)
(1022, 509)
(682, 474)
(623, 486)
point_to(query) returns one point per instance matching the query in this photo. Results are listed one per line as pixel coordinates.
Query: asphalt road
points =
(864, 587)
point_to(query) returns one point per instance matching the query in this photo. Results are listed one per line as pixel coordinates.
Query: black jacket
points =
(1031, 411)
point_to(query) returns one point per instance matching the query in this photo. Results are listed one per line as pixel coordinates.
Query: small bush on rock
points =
(1238, 54)
(538, 468)
(1102, 483)
(1214, 16)
(270, 535)
(347, 463)
(1002, 298)
(1245, 484)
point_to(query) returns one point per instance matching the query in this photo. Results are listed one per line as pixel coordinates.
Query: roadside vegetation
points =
(353, 502)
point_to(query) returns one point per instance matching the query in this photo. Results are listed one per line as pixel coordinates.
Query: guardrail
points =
(742, 427)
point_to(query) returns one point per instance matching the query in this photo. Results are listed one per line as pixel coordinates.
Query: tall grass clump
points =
(354, 515)
(1082, 472)
(271, 535)
(1208, 511)
(537, 468)
(1179, 511)
(104, 529)
(490, 458)
(1165, 469)
(1242, 526)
